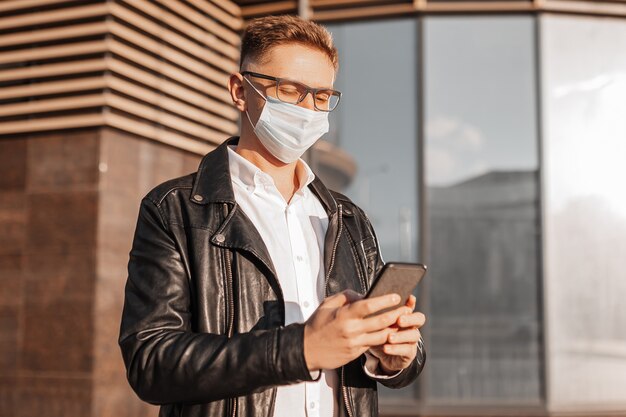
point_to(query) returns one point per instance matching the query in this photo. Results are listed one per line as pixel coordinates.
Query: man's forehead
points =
(298, 63)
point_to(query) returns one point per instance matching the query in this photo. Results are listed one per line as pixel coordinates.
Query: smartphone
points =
(396, 277)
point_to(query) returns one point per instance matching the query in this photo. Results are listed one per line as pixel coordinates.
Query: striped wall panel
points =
(157, 68)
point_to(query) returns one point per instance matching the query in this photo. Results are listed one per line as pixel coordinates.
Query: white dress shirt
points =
(294, 235)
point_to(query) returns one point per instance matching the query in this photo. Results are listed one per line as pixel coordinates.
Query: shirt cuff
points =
(370, 367)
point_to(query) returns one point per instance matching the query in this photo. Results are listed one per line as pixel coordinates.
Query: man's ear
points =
(235, 87)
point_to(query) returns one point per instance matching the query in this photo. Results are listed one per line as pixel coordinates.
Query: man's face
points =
(295, 62)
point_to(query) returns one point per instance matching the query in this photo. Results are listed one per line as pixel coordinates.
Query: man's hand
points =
(400, 348)
(337, 332)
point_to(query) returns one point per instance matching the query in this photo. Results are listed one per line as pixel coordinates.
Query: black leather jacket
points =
(202, 331)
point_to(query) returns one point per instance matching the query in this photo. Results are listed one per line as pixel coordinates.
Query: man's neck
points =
(284, 175)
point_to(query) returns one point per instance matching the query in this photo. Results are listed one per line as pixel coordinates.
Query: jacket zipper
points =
(230, 292)
(231, 302)
(334, 253)
(344, 389)
(231, 314)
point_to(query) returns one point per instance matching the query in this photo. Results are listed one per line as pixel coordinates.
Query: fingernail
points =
(395, 298)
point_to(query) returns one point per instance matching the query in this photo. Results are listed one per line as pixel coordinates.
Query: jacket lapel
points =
(333, 233)
(238, 232)
(213, 185)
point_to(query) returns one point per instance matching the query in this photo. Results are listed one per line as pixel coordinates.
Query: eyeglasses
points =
(293, 92)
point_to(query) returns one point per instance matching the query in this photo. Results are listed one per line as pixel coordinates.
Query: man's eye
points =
(322, 98)
(288, 90)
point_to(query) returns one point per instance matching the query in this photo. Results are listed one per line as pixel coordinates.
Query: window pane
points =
(481, 177)
(584, 81)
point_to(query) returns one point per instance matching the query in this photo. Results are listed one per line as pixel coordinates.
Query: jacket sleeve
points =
(411, 372)
(168, 363)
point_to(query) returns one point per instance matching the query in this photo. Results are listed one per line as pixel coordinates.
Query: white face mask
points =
(287, 130)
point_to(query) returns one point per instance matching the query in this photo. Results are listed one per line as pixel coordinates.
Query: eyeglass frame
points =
(311, 90)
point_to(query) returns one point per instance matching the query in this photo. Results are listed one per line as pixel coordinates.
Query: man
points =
(244, 279)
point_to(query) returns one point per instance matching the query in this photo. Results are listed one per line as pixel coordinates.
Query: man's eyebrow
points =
(287, 79)
(300, 82)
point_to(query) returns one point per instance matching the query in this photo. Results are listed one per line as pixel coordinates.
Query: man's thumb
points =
(342, 298)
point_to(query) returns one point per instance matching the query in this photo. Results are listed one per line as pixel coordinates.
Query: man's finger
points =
(352, 295)
(369, 306)
(377, 351)
(411, 302)
(381, 321)
(376, 338)
(408, 350)
(415, 319)
(341, 299)
(404, 336)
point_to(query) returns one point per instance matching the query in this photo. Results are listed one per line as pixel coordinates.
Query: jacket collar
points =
(213, 182)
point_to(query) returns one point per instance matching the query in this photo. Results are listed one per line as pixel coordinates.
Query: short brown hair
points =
(264, 33)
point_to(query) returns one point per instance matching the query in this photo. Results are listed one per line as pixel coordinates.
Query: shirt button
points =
(306, 304)
(312, 405)
(220, 238)
(299, 258)
(198, 197)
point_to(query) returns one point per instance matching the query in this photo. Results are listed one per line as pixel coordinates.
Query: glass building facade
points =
(492, 148)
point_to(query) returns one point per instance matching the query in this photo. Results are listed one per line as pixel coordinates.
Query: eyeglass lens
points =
(293, 92)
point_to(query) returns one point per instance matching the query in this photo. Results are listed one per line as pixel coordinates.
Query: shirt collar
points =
(251, 176)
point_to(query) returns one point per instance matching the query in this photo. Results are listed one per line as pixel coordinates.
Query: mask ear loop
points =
(259, 93)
